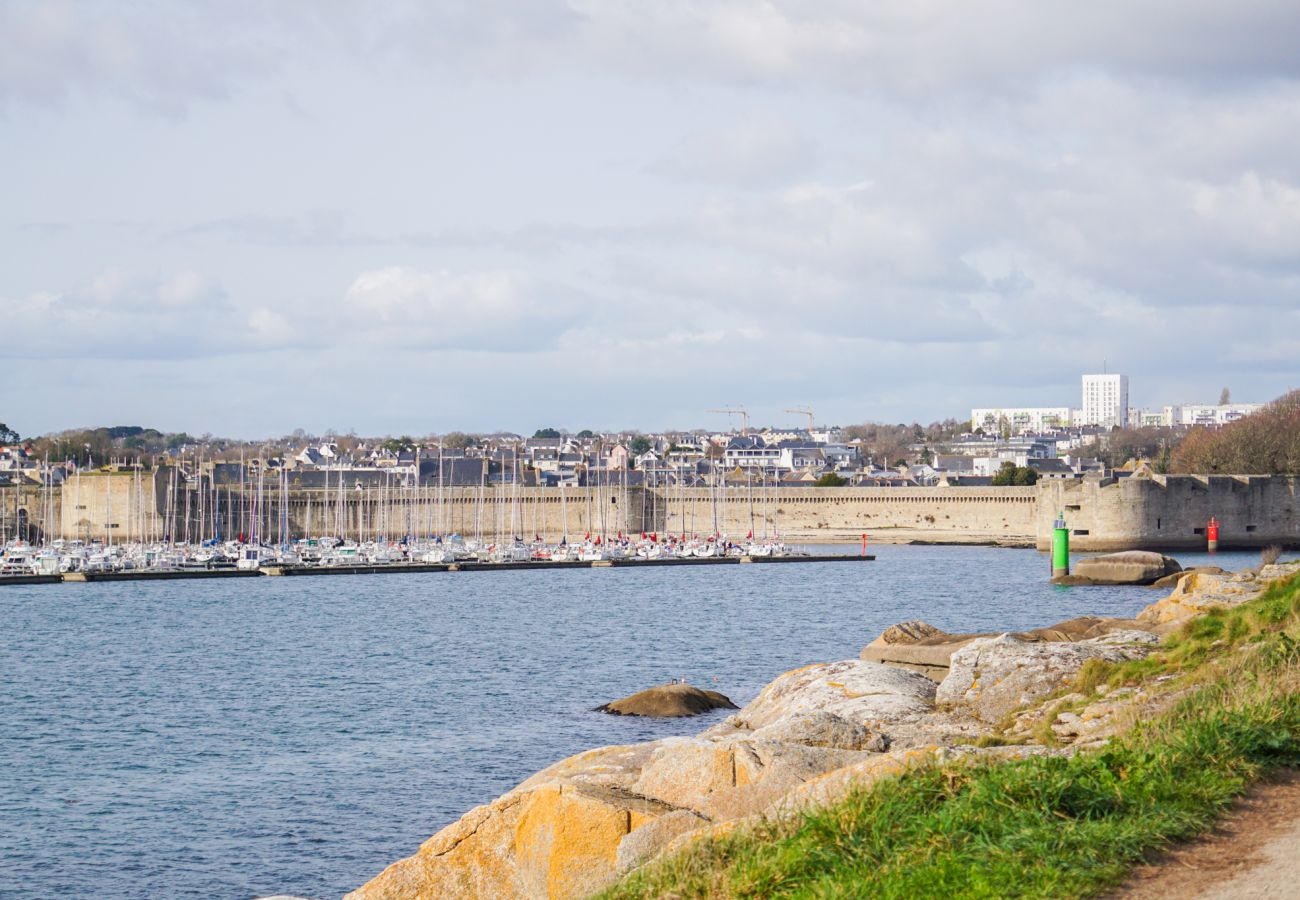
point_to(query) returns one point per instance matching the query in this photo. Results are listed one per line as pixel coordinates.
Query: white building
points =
(1147, 418)
(1105, 401)
(1209, 414)
(1018, 420)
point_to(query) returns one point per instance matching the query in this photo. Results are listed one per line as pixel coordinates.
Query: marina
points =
(269, 567)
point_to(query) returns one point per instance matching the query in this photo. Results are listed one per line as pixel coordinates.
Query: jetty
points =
(419, 568)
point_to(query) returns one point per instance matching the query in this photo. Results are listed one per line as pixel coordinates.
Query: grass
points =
(1060, 826)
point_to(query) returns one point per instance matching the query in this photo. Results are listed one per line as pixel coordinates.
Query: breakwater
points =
(1158, 512)
(419, 568)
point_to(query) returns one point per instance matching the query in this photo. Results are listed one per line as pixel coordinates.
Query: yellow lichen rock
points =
(566, 840)
(469, 858)
(1198, 592)
(556, 835)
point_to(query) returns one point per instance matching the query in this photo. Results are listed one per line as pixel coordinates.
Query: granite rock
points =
(993, 677)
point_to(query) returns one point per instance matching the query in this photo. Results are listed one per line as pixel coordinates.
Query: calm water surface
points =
(235, 738)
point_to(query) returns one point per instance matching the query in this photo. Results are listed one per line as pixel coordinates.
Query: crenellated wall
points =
(1171, 511)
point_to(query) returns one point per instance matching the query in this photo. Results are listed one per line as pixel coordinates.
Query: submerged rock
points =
(1129, 567)
(668, 701)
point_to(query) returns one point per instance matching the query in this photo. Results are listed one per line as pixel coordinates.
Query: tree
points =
(8, 435)
(1024, 476)
(830, 479)
(546, 433)
(1263, 443)
(1163, 461)
(456, 440)
(585, 434)
(639, 444)
(1225, 397)
(1011, 474)
(399, 444)
(1118, 447)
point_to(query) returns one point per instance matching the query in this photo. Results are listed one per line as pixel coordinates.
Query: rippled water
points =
(235, 738)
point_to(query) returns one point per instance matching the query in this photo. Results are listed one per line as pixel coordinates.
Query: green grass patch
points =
(1042, 827)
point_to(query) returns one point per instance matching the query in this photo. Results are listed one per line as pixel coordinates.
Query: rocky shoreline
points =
(915, 695)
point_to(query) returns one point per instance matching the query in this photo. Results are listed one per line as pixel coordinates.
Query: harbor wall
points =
(884, 514)
(1171, 511)
(125, 506)
(29, 512)
(1114, 514)
(111, 506)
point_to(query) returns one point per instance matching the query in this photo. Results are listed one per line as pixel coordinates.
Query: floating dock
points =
(414, 568)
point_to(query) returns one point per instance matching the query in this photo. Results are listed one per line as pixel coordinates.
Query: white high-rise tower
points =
(1105, 400)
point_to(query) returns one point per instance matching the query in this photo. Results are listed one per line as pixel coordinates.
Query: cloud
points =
(398, 306)
(753, 151)
(118, 315)
(155, 56)
(952, 203)
(910, 47)
(161, 58)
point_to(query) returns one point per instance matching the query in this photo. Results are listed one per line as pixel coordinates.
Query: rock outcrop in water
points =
(668, 701)
(807, 739)
(1129, 567)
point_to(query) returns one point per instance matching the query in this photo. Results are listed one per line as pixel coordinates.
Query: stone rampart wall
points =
(1160, 511)
(844, 514)
(27, 510)
(1172, 511)
(120, 506)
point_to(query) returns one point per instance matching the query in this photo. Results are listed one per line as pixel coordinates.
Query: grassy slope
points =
(1042, 827)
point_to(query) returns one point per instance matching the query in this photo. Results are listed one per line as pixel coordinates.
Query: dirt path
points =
(1254, 853)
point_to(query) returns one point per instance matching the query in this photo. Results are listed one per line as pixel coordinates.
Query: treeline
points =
(1154, 443)
(97, 446)
(1265, 443)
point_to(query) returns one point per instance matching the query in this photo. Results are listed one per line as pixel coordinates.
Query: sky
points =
(409, 218)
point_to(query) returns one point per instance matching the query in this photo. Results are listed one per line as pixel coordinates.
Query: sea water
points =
(233, 738)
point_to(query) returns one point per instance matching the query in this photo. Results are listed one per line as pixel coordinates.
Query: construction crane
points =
(738, 411)
(804, 411)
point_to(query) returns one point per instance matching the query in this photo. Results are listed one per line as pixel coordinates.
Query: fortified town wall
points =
(1139, 511)
(886, 515)
(1172, 511)
(27, 510)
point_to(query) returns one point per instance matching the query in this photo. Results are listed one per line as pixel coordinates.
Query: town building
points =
(1105, 401)
(1020, 419)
